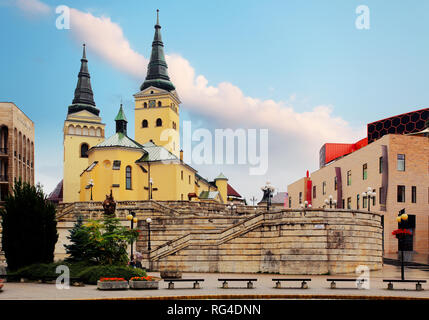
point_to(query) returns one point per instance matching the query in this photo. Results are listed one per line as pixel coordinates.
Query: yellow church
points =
(151, 167)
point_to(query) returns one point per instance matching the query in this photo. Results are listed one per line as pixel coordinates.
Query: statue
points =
(109, 205)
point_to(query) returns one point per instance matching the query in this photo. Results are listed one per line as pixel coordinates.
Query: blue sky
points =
(306, 57)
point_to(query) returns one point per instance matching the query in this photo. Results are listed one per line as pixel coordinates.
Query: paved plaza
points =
(319, 288)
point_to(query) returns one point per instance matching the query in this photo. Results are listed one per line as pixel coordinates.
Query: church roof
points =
(156, 153)
(231, 192)
(121, 115)
(119, 140)
(157, 74)
(221, 176)
(83, 95)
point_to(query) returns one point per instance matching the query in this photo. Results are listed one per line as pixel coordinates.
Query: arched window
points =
(91, 131)
(145, 105)
(159, 103)
(144, 123)
(98, 132)
(78, 130)
(83, 150)
(85, 131)
(128, 178)
(159, 122)
(71, 129)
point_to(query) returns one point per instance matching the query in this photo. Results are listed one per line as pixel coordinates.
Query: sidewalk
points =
(319, 288)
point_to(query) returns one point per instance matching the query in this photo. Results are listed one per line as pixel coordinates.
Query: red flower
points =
(401, 231)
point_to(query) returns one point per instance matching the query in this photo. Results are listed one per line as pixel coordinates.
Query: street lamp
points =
(149, 221)
(232, 207)
(330, 202)
(402, 219)
(305, 204)
(91, 184)
(268, 190)
(132, 217)
(369, 194)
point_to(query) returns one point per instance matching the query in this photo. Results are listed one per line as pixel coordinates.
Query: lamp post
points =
(330, 202)
(91, 184)
(268, 190)
(232, 207)
(132, 218)
(149, 221)
(305, 204)
(369, 194)
(402, 218)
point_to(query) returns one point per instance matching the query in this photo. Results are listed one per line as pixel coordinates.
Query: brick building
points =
(16, 147)
(396, 168)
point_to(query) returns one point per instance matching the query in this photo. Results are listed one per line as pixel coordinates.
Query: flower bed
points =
(143, 283)
(112, 284)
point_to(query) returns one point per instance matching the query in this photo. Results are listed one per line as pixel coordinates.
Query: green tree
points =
(29, 226)
(78, 249)
(104, 242)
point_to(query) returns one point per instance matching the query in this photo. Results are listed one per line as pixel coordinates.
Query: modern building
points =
(395, 167)
(16, 147)
(151, 167)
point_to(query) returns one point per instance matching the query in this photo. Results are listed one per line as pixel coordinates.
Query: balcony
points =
(4, 178)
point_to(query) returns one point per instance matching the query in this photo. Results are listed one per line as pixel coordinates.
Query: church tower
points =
(157, 104)
(82, 130)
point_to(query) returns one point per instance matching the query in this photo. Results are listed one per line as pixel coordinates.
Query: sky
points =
(302, 70)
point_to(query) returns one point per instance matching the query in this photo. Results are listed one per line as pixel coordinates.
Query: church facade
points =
(149, 167)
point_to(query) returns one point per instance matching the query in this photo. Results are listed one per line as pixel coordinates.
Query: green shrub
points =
(92, 274)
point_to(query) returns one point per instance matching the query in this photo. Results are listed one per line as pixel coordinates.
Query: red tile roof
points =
(232, 193)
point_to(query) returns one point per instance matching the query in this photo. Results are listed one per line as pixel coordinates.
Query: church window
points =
(78, 130)
(83, 150)
(71, 129)
(92, 131)
(181, 173)
(159, 104)
(144, 123)
(145, 105)
(128, 177)
(85, 131)
(98, 132)
(159, 122)
(151, 103)
(116, 164)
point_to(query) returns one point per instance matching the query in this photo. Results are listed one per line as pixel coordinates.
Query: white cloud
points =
(33, 7)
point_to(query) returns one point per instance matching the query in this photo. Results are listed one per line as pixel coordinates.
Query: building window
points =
(349, 203)
(84, 150)
(181, 174)
(401, 162)
(349, 178)
(189, 178)
(401, 193)
(159, 104)
(152, 103)
(357, 201)
(335, 183)
(365, 171)
(181, 196)
(116, 164)
(145, 105)
(364, 202)
(128, 177)
(300, 197)
(324, 187)
(314, 192)
(413, 194)
(159, 122)
(380, 165)
(380, 190)
(144, 123)
(290, 201)
(373, 199)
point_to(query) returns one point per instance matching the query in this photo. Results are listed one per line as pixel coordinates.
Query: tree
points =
(104, 242)
(29, 226)
(78, 249)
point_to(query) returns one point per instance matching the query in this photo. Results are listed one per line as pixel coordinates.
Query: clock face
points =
(152, 104)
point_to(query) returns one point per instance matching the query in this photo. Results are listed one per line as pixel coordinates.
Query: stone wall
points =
(205, 237)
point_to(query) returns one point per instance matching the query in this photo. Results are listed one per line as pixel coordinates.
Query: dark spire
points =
(121, 122)
(83, 95)
(157, 74)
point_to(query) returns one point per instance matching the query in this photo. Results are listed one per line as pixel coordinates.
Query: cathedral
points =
(148, 167)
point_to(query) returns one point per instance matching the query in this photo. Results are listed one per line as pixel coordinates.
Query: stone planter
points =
(141, 285)
(112, 285)
(171, 274)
